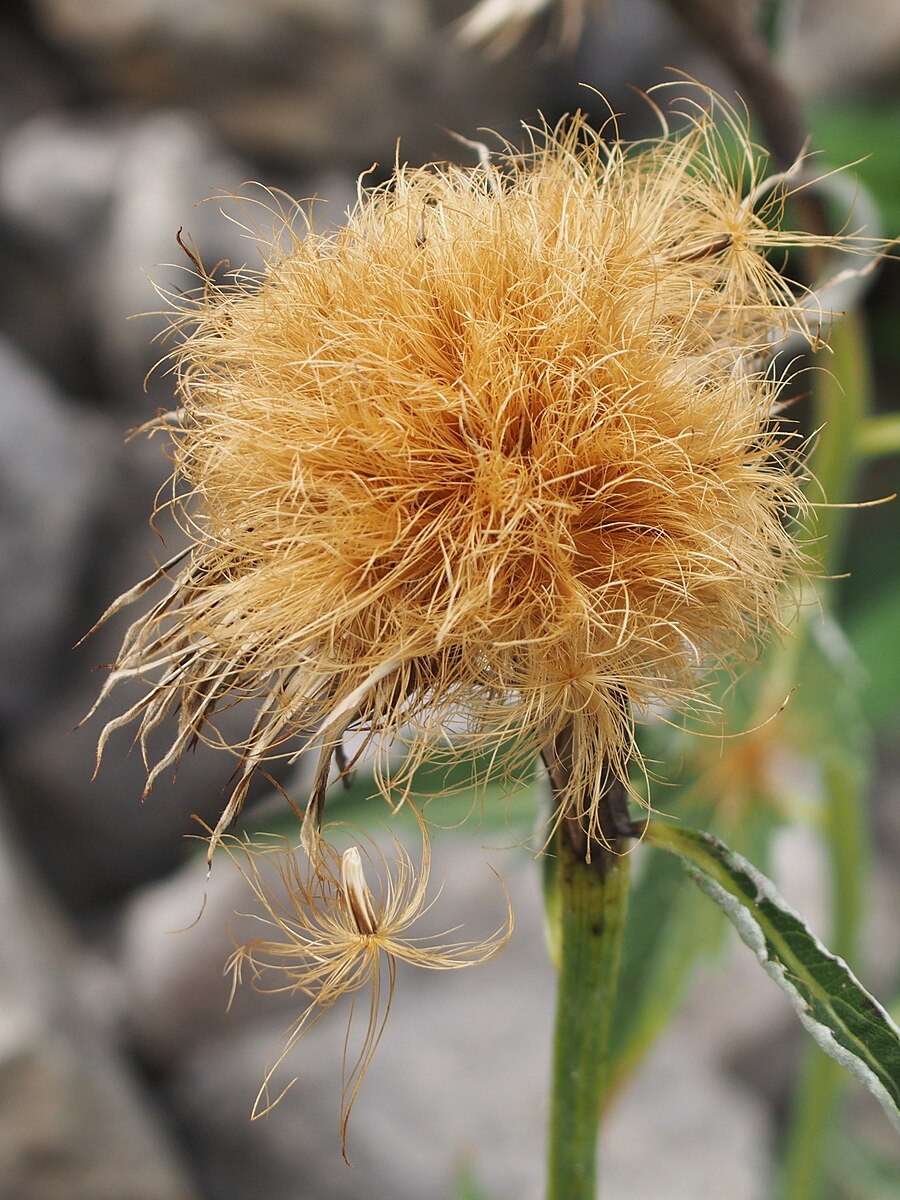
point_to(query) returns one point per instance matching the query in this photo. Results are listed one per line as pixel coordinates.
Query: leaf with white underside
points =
(844, 1019)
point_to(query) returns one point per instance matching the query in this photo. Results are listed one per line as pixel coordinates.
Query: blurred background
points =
(122, 1077)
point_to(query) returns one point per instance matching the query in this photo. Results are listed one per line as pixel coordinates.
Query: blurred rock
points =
(30, 79)
(309, 82)
(459, 1082)
(57, 173)
(687, 1131)
(450, 1085)
(103, 198)
(169, 164)
(54, 481)
(833, 47)
(74, 1124)
(100, 201)
(92, 837)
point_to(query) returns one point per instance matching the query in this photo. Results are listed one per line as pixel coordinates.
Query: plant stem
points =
(589, 901)
(878, 436)
(842, 401)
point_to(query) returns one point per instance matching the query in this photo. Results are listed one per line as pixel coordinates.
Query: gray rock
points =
(74, 1124)
(57, 174)
(177, 995)
(31, 77)
(168, 165)
(100, 200)
(449, 1080)
(832, 47)
(686, 1131)
(92, 837)
(625, 47)
(54, 480)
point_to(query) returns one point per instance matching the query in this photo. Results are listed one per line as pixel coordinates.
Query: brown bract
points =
(496, 458)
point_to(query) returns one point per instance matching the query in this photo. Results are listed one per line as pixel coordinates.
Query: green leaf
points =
(845, 1021)
(842, 400)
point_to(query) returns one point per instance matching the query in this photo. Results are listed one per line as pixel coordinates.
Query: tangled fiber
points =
(496, 459)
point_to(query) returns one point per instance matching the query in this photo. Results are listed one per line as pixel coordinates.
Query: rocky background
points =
(122, 1077)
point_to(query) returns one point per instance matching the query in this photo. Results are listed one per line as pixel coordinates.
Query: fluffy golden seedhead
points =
(497, 457)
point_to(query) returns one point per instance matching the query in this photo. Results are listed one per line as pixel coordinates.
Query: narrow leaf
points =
(844, 1019)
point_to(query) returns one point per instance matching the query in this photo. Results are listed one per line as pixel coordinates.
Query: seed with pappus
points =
(496, 459)
(328, 936)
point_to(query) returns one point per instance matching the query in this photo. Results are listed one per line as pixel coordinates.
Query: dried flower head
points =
(499, 453)
(333, 936)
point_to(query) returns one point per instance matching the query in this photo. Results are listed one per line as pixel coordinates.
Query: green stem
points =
(879, 436)
(842, 399)
(589, 901)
